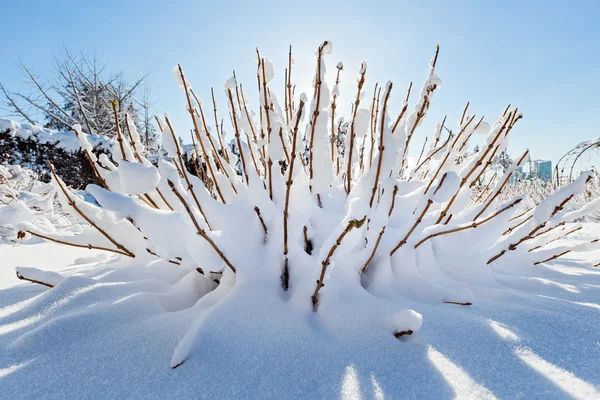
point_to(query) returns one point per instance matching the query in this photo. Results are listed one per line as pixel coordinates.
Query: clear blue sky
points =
(542, 56)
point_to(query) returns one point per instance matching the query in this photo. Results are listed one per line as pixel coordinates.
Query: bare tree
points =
(149, 133)
(80, 90)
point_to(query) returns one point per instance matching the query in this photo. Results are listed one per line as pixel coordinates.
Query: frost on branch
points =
(307, 213)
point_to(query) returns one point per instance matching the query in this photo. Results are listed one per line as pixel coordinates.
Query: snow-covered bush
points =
(314, 216)
(33, 147)
(536, 190)
(23, 198)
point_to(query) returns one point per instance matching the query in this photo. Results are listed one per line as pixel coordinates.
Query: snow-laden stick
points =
(73, 203)
(361, 82)
(34, 275)
(352, 224)
(472, 225)
(423, 104)
(288, 191)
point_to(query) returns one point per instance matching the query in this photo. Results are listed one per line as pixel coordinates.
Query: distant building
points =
(543, 170)
(538, 169)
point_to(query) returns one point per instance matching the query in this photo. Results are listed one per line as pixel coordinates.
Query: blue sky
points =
(542, 56)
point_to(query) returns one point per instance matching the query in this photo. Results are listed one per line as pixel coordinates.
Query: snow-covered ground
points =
(93, 336)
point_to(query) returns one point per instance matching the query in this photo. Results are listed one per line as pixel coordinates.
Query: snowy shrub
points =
(312, 214)
(536, 190)
(23, 198)
(33, 147)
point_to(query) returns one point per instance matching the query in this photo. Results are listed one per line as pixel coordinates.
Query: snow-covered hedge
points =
(33, 147)
(314, 213)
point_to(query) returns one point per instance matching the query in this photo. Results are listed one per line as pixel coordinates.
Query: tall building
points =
(544, 170)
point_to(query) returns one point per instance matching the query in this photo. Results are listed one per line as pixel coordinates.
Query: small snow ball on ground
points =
(407, 322)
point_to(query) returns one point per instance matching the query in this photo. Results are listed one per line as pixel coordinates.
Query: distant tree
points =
(81, 91)
(503, 161)
(147, 129)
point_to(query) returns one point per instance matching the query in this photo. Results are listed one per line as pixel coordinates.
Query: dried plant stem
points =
(197, 133)
(394, 193)
(137, 156)
(413, 227)
(565, 235)
(261, 152)
(420, 115)
(419, 218)
(474, 224)
(429, 157)
(509, 230)
(403, 111)
(515, 117)
(199, 230)
(463, 181)
(183, 172)
(549, 229)
(290, 94)
(315, 114)
(24, 278)
(242, 105)
(485, 189)
(437, 139)
(553, 257)
(219, 133)
(448, 152)
(216, 154)
(143, 200)
(421, 112)
(288, 189)
(520, 215)
(237, 135)
(287, 156)
(268, 118)
(162, 197)
(464, 143)
(532, 233)
(131, 141)
(119, 135)
(351, 224)
(95, 168)
(362, 154)
(422, 150)
(381, 146)
(364, 268)
(84, 246)
(462, 117)
(262, 221)
(333, 107)
(73, 204)
(285, 98)
(489, 201)
(361, 82)
(372, 124)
